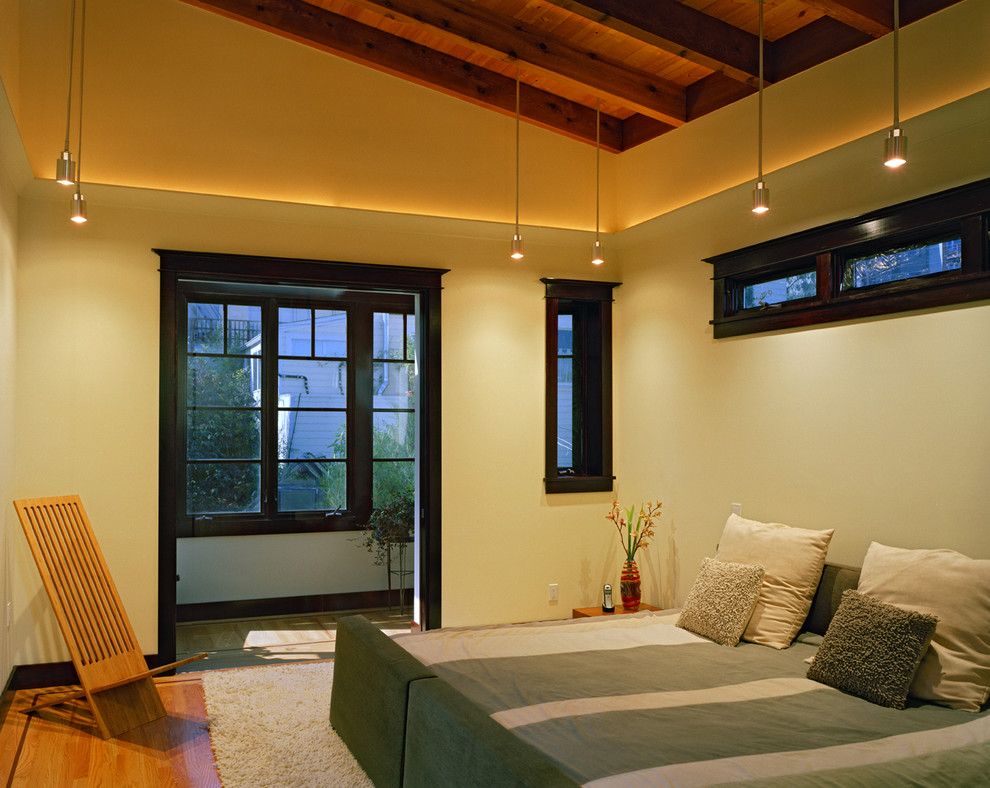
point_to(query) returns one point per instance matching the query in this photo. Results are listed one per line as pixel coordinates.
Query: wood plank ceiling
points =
(651, 65)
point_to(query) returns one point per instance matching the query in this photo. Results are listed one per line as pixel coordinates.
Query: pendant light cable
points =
(597, 255)
(65, 168)
(895, 146)
(761, 194)
(759, 122)
(72, 48)
(517, 245)
(897, 60)
(78, 214)
(82, 67)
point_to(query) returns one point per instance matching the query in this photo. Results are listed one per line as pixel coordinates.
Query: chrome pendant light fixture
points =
(78, 214)
(65, 168)
(761, 194)
(517, 243)
(895, 146)
(597, 254)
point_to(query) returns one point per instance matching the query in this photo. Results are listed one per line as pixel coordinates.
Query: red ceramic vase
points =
(629, 586)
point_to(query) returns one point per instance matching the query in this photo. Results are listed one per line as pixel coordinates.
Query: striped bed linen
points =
(633, 700)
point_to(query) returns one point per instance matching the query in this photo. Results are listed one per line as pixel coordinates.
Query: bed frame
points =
(397, 716)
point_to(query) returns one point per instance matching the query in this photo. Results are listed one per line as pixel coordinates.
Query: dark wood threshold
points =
(287, 606)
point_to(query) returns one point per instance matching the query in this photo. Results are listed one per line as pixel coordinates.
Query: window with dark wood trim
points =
(928, 252)
(578, 385)
(294, 402)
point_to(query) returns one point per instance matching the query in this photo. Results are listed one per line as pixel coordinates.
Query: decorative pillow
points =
(872, 649)
(956, 670)
(792, 559)
(721, 600)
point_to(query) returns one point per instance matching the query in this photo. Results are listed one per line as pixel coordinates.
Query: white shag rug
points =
(270, 726)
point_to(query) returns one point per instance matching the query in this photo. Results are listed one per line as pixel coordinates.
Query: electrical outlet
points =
(736, 508)
(552, 590)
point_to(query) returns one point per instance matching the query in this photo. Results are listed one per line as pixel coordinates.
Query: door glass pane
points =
(317, 434)
(233, 382)
(223, 434)
(565, 335)
(295, 332)
(217, 488)
(800, 284)
(393, 385)
(905, 262)
(311, 486)
(394, 435)
(331, 333)
(244, 329)
(393, 482)
(388, 335)
(565, 413)
(312, 384)
(205, 328)
(411, 337)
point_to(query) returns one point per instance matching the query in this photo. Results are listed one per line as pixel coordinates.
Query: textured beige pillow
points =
(956, 670)
(792, 559)
(721, 600)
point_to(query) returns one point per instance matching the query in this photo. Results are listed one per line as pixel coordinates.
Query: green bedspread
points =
(633, 700)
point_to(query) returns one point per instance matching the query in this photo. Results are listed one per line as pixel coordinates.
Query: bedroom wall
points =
(13, 171)
(87, 408)
(877, 428)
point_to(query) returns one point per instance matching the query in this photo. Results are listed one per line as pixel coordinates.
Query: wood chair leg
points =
(61, 697)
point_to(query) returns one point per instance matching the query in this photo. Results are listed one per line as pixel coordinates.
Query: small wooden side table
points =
(591, 612)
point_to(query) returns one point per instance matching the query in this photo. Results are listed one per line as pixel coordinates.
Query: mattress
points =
(634, 700)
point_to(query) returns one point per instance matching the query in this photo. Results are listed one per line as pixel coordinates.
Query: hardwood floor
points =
(238, 643)
(61, 746)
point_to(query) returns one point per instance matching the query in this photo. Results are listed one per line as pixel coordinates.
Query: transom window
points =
(929, 252)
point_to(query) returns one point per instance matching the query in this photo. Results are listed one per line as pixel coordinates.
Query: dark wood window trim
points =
(231, 268)
(592, 303)
(962, 211)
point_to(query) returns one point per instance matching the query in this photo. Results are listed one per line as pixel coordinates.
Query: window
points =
(578, 386)
(924, 253)
(289, 405)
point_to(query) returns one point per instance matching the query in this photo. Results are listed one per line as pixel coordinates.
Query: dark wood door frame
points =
(422, 282)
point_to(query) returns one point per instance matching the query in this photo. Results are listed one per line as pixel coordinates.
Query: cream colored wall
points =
(943, 59)
(179, 98)
(87, 406)
(878, 428)
(11, 164)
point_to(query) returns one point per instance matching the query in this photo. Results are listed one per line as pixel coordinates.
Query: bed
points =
(631, 700)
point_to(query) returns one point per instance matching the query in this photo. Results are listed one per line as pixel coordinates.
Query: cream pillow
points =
(956, 670)
(792, 559)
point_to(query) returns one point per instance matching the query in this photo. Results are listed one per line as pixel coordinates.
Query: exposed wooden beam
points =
(676, 28)
(810, 45)
(873, 17)
(500, 36)
(637, 129)
(339, 35)
(713, 92)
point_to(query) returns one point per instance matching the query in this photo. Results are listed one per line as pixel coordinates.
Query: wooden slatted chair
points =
(113, 673)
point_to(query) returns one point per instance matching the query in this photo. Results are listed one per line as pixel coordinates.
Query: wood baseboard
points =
(52, 674)
(287, 606)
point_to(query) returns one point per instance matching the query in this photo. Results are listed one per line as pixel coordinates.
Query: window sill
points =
(235, 526)
(578, 484)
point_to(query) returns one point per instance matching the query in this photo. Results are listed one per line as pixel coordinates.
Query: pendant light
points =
(761, 194)
(597, 255)
(65, 168)
(517, 244)
(895, 146)
(78, 214)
